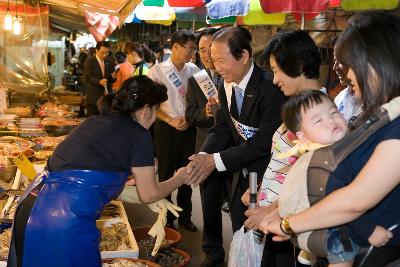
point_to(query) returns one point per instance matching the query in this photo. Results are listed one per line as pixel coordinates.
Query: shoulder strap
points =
(326, 160)
(141, 69)
(353, 140)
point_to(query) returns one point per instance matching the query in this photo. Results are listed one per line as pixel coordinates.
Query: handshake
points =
(199, 168)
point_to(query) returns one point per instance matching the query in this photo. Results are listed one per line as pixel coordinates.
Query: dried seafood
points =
(111, 211)
(167, 258)
(124, 263)
(114, 237)
(5, 239)
(149, 242)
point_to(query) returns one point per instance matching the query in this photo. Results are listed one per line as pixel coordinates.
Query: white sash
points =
(174, 80)
(244, 131)
(206, 84)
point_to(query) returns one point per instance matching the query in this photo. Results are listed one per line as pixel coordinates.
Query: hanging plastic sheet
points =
(226, 20)
(100, 25)
(153, 3)
(23, 58)
(218, 9)
(154, 12)
(257, 17)
(350, 5)
(185, 3)
(131, 18)
(191, 13)
(269, 6)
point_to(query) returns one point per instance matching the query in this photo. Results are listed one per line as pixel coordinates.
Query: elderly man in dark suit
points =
(249, 113)
(97, 72)
(201, 106)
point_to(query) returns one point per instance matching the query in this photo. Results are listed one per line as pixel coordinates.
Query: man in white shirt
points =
(174, 138)
(346, 102)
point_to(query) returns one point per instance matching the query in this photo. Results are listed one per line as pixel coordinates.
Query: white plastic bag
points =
(244, 250)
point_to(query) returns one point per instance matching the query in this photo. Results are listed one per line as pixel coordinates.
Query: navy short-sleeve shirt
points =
(387, 212)
(104, 143)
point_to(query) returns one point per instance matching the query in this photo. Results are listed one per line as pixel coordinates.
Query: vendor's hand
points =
(158, 231)
(200, 167)
(103, 82)
(182, 175)
(164, 204)
(246, 198)
(380, 236)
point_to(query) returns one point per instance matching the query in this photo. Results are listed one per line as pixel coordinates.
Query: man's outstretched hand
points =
(199, 168)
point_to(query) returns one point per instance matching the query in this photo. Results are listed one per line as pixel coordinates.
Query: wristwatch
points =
(285, 227)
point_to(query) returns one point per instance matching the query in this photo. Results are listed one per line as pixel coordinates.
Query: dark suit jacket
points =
(261, 108)
(92, 75)
(196, 111)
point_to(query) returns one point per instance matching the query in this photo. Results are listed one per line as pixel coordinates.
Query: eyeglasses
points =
(190, 51)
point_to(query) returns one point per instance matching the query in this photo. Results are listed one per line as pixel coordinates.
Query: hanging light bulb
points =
(17, 26)
(8, 19)
(17, 21)
(8, 22)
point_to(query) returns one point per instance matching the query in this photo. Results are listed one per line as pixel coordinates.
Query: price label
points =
(25, 165)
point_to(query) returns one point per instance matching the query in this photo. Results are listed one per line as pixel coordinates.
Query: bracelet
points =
(285, 227)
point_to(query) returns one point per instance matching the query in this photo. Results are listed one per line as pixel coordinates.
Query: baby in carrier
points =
(316, 122)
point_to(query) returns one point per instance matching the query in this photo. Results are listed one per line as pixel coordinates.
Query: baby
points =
(316, 122)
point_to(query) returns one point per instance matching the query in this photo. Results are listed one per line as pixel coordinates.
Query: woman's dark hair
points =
(295, 53)
(150, 58)
(237, 39)
(141, 49)
(293, 109)
(370, 47)
(135, 93)
(205, 32)
(182, 37)
(120, 57)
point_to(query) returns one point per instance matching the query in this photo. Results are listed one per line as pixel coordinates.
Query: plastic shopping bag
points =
(244, 250)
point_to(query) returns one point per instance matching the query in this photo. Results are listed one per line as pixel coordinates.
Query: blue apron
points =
(61, 230)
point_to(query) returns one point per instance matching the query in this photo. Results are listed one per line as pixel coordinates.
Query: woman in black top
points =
(55, 224)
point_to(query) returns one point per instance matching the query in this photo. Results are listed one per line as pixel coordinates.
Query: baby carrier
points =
(306, 181)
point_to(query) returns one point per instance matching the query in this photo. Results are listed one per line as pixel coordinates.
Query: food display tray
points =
(133, 253)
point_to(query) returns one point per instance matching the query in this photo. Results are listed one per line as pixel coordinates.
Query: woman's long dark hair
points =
(370, 47)
(135, 93)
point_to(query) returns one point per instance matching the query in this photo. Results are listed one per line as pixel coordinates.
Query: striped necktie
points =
(239, 98)
(215, 77)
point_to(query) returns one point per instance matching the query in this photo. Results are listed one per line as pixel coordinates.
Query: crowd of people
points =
(212, 127)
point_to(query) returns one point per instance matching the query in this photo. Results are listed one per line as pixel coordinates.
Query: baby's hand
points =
(380, 236)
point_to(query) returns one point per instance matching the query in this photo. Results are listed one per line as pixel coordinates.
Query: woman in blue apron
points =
(55, 223)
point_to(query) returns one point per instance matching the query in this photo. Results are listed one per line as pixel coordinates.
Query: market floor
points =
(141, 215)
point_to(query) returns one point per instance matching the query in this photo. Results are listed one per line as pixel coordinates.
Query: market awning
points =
(70, 14)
